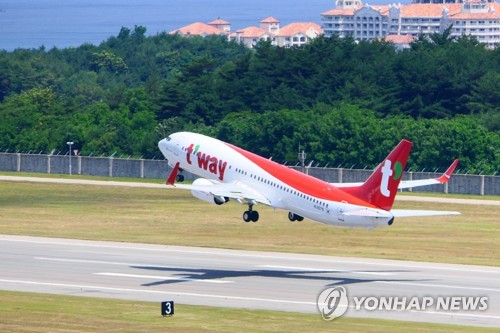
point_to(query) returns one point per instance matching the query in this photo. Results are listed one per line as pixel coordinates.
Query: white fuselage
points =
(283, 187)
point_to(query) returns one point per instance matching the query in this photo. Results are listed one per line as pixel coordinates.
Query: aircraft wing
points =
(414, 183)
(236, 190)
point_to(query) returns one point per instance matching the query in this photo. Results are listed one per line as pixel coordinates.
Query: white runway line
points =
(100, 262)
(264, 255)
(163, 277)
(325, 270)
(99, 288)
(438, 286)
(81, 287)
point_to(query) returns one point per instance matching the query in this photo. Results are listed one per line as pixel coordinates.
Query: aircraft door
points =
(340, 213)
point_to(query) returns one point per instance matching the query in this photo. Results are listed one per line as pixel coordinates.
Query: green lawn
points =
(174, 217)
(30, 312)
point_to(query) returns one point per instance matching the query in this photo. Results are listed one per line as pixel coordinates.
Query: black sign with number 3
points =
(167, 308)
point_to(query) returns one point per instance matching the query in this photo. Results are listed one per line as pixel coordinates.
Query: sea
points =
(70, 23)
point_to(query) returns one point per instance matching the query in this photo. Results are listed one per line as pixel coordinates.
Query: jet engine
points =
(206, 195)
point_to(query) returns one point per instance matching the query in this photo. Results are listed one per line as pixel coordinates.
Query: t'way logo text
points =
(389, 170)
(207, 162)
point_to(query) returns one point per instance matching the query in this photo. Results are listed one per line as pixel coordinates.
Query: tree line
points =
(346, 102)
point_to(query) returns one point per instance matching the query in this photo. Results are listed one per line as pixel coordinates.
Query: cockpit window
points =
(168, 138)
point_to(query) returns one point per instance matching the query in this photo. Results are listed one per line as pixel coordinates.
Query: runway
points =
(239, 279)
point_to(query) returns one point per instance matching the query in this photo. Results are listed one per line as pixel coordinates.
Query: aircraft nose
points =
(163, 146)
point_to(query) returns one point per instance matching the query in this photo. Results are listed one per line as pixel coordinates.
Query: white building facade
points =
(476, 18)
(480, 19)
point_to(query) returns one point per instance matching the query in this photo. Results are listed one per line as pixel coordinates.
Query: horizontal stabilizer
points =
(445, 177)
(367, 213)
(410, 213)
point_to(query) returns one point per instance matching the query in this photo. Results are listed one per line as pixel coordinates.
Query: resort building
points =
(298, 33)
(269, 29)
(266, 31)
(477, 18)
(217, 27)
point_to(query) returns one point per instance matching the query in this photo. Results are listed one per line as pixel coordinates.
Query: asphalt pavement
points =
(242, 279)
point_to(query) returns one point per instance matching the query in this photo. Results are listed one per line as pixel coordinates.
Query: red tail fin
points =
(381, 188)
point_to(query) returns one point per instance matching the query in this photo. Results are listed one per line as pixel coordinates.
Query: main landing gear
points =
(250, 215)
(294, 217)
(179, 178)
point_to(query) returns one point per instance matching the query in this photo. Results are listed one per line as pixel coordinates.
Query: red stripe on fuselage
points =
(301, 182)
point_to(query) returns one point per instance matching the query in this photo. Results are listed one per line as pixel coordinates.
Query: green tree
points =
(109, 61)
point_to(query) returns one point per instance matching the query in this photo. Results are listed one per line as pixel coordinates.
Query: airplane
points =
(228, 173)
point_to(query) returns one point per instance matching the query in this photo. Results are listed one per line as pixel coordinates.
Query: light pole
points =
(69, 143)
(302, 159)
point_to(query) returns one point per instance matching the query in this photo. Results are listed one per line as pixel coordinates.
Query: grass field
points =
(174, 217)
(29, 312)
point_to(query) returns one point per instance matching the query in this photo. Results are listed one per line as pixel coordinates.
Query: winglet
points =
(446, 176)
(173, 175)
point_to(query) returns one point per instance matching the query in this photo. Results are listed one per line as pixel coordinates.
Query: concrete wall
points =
(116, 167)
(60, 164)
(96, 166)
(126, 168)
(8, 162)
(33, 163)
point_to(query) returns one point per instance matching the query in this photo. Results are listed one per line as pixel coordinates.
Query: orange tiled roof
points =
(475, 16)
(251, 32)
(436, 10)
(198, 28)
(429, 9)
(350, 11)
(422, 10)
(218, 22)
(340, 12)
(299, 27)
(399, 39)
(270, 19)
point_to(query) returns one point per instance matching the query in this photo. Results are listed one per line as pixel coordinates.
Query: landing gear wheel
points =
(250, 214)
(294, 217)
(254, 216)
(179, 178)
(247, 216)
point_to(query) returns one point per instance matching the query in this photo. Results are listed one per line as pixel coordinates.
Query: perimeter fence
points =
(145, 168)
